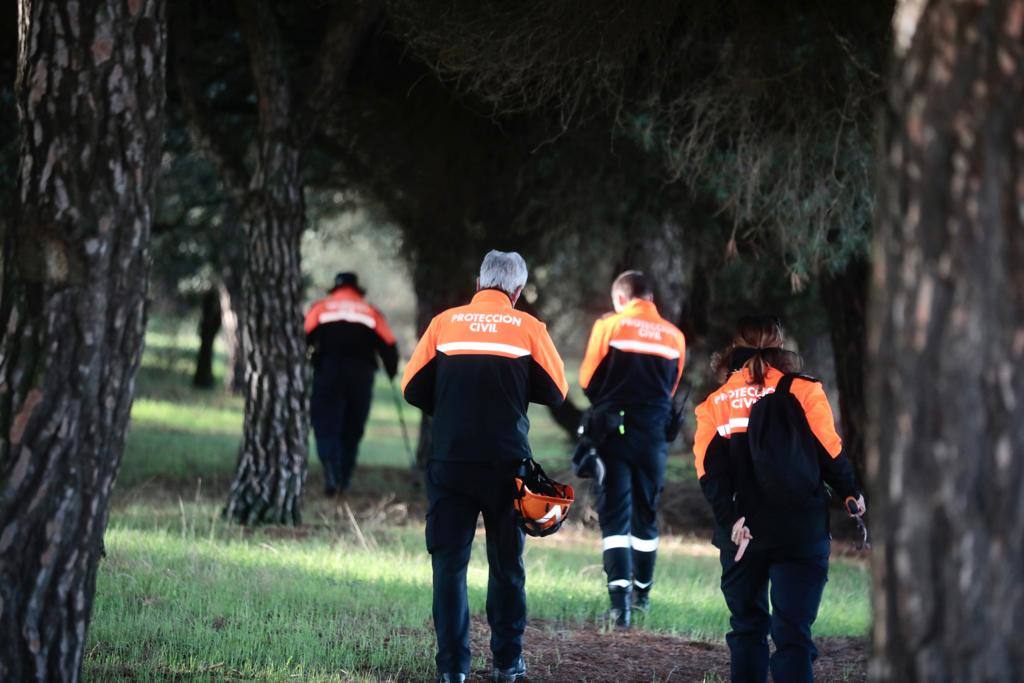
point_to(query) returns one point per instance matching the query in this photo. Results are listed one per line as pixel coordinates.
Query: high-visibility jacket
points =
(476, 369)
(633, 358)
(725, 470)
(344, 324)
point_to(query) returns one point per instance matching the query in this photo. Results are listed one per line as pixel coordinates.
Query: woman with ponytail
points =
(770, 544)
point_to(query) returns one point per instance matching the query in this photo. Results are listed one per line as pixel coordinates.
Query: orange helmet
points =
(542, 503)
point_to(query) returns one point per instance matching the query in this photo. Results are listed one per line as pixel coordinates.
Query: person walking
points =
(475, 370)
(765, 449)
(347, 335)
(630, 372)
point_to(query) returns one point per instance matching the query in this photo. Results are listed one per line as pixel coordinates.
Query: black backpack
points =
(783, 449)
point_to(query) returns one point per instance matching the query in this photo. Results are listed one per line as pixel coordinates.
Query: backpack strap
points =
(787, 381)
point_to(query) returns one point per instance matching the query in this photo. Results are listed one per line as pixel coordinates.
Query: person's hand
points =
(741, 537)
(861, 507)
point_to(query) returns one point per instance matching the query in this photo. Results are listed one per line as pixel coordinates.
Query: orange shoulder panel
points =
(313, 317)
(812, 398)
(681, 341)
(707, 428)
(425, 351)
(597, 348)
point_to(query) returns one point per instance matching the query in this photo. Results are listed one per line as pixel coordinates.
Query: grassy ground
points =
(183, 595)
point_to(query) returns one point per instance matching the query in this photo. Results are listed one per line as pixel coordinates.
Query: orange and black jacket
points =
(633, 359)
(476, 369)
(343, 324)
(724, 468)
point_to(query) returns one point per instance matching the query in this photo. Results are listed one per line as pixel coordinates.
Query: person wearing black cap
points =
(347, 336)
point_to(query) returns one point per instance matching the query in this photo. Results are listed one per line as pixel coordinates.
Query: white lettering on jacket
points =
(478, 318)
(646, 329)
(742, 397)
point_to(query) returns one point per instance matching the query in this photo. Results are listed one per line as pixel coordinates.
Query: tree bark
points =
(272, 461)
(90, 94)
(209, 326)
(947, 350)
(230, 305)
(845, 298)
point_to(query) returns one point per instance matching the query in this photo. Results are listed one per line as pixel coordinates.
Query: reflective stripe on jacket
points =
(344, 324)
(722, 460)
(476, 369)
(633, 358)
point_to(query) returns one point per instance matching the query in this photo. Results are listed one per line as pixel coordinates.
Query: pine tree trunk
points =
(209, 326)
(90, 97)
(947, 350)
(230, 313)
(845, 298)
(272, 461)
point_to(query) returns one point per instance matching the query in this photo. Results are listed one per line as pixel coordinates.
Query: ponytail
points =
(757, 346)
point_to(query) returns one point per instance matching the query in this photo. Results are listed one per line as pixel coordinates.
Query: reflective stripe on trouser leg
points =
(614, 510)
(644, 553)
(617, 562)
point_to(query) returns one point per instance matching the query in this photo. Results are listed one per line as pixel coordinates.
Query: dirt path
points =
(560, 654)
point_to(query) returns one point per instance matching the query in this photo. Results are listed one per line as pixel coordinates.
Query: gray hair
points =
(504, 270)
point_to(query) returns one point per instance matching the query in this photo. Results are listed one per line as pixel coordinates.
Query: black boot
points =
(451, 678)
(509, 674)
(619, 614)
(641, 601)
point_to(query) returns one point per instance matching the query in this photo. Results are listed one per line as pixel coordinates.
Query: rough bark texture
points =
(209, 326)
(272, 460)
(90, 95)
(845, 297)
(947, 351)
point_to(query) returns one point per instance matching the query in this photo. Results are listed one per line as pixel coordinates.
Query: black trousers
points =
(627, 505)
(458, 493)
(794, 578)
(339, 407)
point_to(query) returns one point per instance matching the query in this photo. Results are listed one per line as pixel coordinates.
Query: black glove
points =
(587, 463)
(674, 424)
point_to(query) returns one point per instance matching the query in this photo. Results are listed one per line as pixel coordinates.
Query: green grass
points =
(183, 595)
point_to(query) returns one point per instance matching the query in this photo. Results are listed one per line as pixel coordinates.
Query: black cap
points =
(347, 279)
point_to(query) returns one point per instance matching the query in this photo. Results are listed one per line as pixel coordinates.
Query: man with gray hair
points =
(504, 271)
(475, 370)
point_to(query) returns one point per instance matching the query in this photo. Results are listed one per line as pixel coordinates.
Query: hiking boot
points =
(329, 491)
(619, 613)
(641, 602)
(509, 674)
(451, 678)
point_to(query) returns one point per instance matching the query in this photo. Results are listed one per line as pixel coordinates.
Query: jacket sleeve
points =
(714, 469)
(387, 346)
(548, 385)
(597, 351)
(682, 361)
(312, 319)
(836, 468)
(420, 375)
